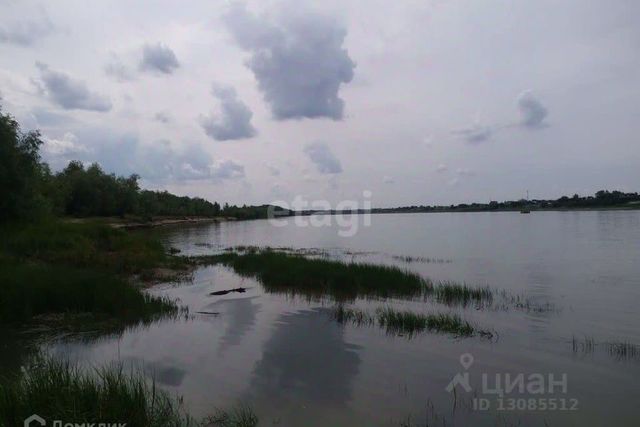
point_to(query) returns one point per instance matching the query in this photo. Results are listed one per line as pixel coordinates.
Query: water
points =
(294, 365)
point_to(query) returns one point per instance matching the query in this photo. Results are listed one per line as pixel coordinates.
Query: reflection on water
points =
(241, 314)
(289, 361)
(287, 356)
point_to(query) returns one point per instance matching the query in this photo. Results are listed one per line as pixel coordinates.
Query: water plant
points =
(32, 289)
(343, 281)
(620, 350)
(59, 390)
(407, 323)
(289, 273)
(455, 293)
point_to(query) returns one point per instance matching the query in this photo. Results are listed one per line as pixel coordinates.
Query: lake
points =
(568, 357)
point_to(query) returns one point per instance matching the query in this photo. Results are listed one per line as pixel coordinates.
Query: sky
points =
(417, 102)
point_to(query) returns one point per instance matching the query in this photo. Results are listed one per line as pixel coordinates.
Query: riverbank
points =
(133, 222)
(84, 280)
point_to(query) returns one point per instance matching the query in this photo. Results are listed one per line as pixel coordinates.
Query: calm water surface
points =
(295, 366)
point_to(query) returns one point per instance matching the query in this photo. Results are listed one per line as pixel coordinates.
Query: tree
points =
(20, 172)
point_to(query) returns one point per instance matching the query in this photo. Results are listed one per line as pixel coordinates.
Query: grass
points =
(292, 274)
(623, 350)
(58, 390)
(33, 289)
(90, 245)
(407, 323)
(410, 259)
(451, 293)
(620, 350)
(65, 268)
(343, 281)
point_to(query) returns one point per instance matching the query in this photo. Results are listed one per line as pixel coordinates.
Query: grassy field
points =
(58, 390)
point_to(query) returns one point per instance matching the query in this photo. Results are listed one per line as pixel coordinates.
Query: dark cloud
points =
(69, 93)
(158, 58)
(298, 60)
(476, 133)
(125, 155)
(324, 159)
(26, 33)
(532, 111)
(234, 121)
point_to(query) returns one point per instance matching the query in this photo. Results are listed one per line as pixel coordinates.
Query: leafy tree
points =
(20, 172)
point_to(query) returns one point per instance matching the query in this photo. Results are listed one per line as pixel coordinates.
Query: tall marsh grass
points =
(407, 323)
(30, 289)
(89, 245)
(343, 281)
(58, 390)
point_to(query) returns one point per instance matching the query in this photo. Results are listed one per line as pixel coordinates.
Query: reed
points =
(59, 390)
(407, 323)
(31, 289)
(294, 274)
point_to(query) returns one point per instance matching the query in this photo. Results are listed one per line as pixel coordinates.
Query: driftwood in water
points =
(228, 291)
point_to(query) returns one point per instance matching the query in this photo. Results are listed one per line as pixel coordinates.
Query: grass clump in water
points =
(619, 350)
(407, 323)
(58, 390)
(288, 273)
(451, 293)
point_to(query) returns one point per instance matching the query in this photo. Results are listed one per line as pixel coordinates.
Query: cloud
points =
(162, 117)
(320, 154)
(116, 69)
(158, 58)
(297, 58)
(234, 121)
(26, 33)
(532, 111)
(69, 93)
(465, 172)
(125, 154)
(58, 151)
(227, 169)
(273, 171)
(476, 133)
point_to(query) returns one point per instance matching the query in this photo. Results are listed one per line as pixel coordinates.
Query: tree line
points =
(29, 189)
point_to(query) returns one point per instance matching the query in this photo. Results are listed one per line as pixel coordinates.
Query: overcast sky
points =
(419, 102)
